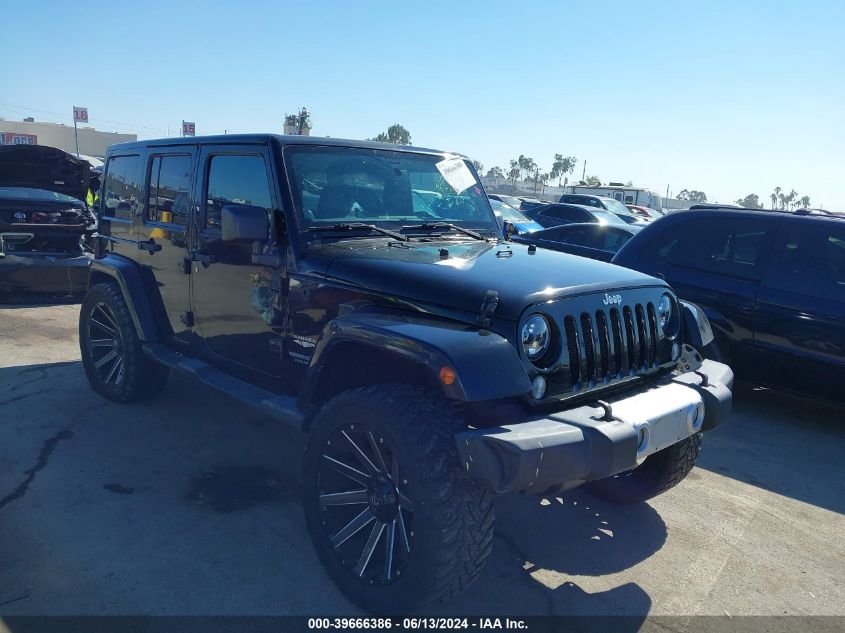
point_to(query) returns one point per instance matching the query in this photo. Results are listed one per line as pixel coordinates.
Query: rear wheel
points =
(657, 474)
(114, 363)
(394, 519)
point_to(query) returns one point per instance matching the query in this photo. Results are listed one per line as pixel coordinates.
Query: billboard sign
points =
(13, 138)
(80, 115)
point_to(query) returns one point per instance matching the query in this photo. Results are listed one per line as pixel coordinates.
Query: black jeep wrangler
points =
(364, 293)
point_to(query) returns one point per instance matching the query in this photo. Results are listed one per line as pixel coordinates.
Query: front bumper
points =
(44, 274)
(568, 448)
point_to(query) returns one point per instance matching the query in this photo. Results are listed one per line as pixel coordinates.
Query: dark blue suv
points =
(771, 283)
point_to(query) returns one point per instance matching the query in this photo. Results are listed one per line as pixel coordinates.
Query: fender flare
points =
(697, 330)
(486, 364)
(127, 274)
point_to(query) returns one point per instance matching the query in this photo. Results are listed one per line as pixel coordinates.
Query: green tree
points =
(775, 197)
(496, 172)
(804, 202)
(527, 166)
(514, 172)
(395, 134)
(593, 181)
(751, 201)
(691, 195)
(561, 166)
(478, 166)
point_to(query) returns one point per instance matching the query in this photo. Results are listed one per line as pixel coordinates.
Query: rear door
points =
(164, 231)
(801, 309)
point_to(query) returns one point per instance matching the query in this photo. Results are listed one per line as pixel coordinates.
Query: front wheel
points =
(394, 519)
(657, 474)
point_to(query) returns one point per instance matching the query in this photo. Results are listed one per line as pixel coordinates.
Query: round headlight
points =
(667, 316)
(535, 336)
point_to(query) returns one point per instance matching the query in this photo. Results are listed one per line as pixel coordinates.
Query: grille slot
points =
(589, 369)
(573, 347)
(611, 344)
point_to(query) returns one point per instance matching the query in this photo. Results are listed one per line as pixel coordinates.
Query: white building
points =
(32, 132)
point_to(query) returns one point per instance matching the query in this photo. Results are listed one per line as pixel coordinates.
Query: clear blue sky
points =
(728, 97)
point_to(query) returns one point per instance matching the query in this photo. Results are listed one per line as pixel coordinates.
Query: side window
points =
(169, 197)
(562, 213)
(235, 179)
(728, 246)
(810, 260)
(582, 236)
(122, 186)
(613, 239)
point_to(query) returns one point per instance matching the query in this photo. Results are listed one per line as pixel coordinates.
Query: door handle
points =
(203, 258)
(150, 246)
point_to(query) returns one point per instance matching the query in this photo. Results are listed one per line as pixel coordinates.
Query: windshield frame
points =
(486, 223)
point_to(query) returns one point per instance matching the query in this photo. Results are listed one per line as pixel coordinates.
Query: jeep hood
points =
(459, 274)
(41, 167)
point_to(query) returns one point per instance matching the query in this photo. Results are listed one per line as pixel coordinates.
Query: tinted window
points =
(169, 192)
(581, 236)
(122, 186)
(585, 200)
(725, 245)
(613, 239)
(810, 260)
(566, 213)
(236, 180)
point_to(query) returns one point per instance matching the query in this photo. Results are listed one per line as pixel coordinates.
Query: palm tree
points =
(775, 196)
(804, 202)
(790, 199)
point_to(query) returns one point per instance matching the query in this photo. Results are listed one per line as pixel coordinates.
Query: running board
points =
(282, 408)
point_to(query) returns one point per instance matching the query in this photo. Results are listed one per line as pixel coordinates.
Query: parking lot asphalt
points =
(189, 505)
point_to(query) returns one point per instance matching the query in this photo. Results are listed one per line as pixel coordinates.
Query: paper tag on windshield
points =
(456, 173)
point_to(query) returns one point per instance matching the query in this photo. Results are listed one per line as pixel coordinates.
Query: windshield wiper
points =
(445, 225)
(359, 226)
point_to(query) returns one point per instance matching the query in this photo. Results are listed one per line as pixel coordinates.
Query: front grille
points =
(611, 344)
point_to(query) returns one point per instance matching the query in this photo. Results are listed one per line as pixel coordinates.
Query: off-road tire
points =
(657, 474)
(142, 378)
(452, 516)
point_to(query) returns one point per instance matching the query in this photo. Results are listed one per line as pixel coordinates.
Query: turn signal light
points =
(447, 375)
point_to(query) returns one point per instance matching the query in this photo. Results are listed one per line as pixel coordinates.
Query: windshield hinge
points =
(488, 308)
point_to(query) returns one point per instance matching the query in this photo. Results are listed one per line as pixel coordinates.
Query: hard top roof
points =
(281, 139)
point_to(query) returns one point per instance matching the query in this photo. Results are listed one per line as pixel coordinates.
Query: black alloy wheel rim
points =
(365, 512)
(105, 345)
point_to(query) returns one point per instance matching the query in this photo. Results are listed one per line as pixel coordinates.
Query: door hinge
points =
(187, 318)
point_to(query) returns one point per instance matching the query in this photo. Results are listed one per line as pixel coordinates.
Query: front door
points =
(236, 303)
(162, 240)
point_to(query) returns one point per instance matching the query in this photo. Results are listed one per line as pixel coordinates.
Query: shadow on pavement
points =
(783, 443)
(541, 542)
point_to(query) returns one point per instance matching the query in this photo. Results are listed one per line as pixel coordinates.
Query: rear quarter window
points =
(122, 186)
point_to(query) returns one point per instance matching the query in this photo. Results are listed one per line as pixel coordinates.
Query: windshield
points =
(611, 204)
(508, 213)
(391, 189)
(606, 217)
(512, 202)
(39, 195)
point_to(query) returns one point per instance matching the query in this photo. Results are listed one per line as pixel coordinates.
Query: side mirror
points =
(509, 229)
(244, 223)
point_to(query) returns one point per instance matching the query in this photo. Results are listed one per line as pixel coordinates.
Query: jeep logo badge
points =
(611, 300)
